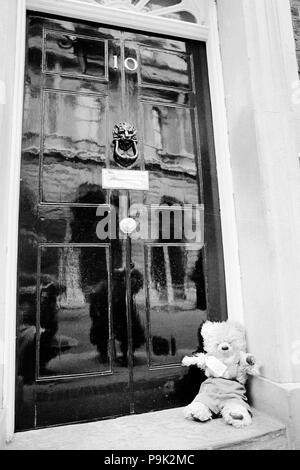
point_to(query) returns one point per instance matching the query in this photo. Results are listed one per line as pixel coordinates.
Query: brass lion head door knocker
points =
(125, 144)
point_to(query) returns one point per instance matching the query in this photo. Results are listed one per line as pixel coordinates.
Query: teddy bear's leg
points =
(236, 415)
(198, 411)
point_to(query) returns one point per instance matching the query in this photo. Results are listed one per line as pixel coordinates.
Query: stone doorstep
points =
(161, 430)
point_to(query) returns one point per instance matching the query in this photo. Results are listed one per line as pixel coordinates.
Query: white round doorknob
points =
(128, 225)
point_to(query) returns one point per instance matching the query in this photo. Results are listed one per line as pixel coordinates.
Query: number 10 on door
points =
(130, 63)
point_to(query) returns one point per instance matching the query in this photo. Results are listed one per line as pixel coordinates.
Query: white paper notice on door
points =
(125, 179)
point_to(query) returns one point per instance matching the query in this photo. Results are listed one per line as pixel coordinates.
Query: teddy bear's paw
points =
(250, 359)
(188, 361)
(198, 411)
(237, 416)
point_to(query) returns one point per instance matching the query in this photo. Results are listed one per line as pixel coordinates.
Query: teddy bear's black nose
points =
(225, 348)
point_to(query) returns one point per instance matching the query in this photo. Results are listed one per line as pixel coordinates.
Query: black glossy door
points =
(103, 322)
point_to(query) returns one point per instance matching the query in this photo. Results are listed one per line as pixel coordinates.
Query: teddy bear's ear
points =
(206, 328)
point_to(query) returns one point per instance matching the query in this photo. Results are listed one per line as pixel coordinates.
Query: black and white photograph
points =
(149, 227)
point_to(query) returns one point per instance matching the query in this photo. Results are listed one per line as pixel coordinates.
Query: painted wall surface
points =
(258, 56)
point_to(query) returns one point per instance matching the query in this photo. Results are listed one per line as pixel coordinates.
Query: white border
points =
(134, 20)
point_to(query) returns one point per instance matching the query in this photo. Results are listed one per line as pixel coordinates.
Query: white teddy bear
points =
(226, 364)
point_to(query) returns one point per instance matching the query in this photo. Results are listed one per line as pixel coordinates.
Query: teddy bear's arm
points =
(196, 360)
(247, 359)
(249, 364)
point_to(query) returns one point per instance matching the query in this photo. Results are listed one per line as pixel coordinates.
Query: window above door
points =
(174, 9)
(155, 14)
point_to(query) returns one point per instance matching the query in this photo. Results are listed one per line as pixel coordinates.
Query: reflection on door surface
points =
(103, 323)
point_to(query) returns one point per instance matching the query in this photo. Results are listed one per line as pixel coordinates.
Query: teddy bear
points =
(226, 364)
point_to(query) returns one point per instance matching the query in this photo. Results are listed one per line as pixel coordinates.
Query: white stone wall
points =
(7, 51)
(258, 56)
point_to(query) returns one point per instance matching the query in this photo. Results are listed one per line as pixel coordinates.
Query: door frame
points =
(207, 32)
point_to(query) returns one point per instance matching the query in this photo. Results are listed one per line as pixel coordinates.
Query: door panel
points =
(65, 347)
(80, 114)
(174, 308)
(76, 55)
(103, 322)
(170, 157)
(162, 68)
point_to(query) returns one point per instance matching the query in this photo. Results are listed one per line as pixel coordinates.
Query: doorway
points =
(105, 316)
